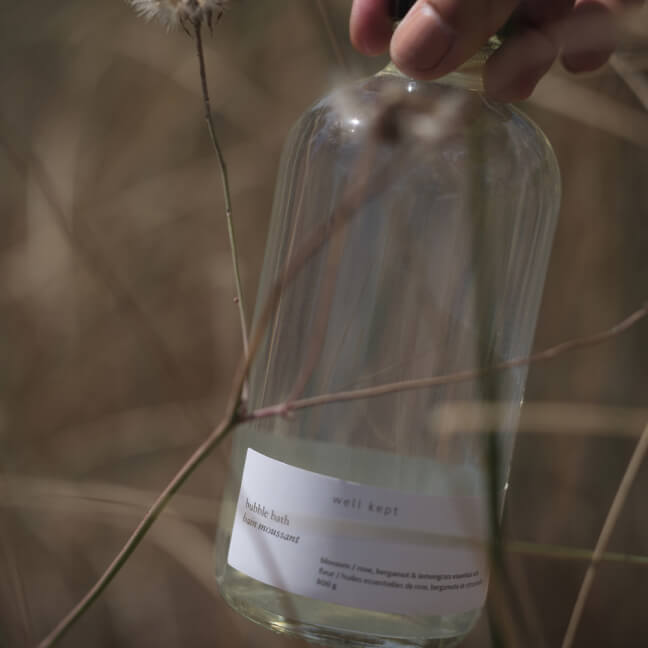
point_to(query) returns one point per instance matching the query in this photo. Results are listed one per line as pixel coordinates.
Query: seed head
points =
(397, 116)
(172, 13)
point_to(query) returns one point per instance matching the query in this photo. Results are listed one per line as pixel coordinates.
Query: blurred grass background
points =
(118, 335)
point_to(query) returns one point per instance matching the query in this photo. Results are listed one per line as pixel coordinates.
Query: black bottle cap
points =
(398, 8)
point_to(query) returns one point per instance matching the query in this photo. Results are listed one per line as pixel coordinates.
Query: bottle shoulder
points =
(427, 116)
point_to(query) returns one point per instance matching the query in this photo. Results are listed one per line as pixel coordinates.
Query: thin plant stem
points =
(458, 377)
(330, 34)
(233, 412)
(543, 417)
(320, 327)
(633, 79)
(594, 109)
(505, 621)
(234, 416)
(559, 552)
(14, 580)
(225, 181)
(274, 328)
(305, 252)
(117, 500)
(142, 528)
(608, 527)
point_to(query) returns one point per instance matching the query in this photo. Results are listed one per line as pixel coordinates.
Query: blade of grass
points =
(608, 527)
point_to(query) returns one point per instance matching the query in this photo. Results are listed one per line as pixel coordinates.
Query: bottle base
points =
(279, 612)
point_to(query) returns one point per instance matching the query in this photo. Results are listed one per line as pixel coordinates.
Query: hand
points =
(437, 36)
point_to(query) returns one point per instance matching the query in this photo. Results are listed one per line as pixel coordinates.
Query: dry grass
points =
(120, 335)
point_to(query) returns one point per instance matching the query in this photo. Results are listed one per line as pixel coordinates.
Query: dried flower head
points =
(395, 115)
(181, 12)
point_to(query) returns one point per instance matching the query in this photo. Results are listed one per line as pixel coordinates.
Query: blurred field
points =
(118, 335)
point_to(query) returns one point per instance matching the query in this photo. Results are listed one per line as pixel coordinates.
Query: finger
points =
(589, 34)
(437, 36)
(536, 13)
(370, 26)
(512, 73)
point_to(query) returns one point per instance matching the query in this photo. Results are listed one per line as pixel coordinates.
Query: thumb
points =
(437, 36)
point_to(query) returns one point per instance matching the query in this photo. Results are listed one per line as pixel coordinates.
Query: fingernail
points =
(422, 40)
(590, 38)
(587, 61)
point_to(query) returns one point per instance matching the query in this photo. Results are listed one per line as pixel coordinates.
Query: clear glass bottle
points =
(441, 207)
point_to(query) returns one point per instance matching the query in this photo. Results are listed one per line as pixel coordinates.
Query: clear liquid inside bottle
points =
(394, 296)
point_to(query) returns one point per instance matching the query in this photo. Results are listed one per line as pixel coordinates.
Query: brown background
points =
(118, 335)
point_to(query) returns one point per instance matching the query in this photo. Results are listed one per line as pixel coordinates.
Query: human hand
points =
(437, 36)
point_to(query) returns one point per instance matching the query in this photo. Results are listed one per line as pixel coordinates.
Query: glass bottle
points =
(427, 214)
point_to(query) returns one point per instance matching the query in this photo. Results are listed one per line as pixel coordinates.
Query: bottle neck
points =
(468, 76)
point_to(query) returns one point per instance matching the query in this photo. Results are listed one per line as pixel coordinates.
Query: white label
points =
(356, 545)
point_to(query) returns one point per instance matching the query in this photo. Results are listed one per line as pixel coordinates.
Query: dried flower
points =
(394, 114)
(180, 12)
